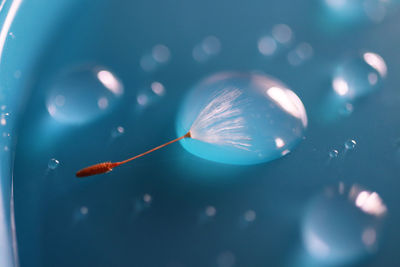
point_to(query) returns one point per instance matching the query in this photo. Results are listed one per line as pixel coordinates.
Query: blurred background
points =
(90, 81)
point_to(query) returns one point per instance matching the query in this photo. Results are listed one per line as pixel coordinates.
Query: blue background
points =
(51, 231)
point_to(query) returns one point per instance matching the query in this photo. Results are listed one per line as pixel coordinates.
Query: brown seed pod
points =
(96, 169)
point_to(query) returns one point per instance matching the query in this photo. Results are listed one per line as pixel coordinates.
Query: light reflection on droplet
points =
(232, 119)
(341, 228)
(109, 81)
(82, 94)
(53, 164)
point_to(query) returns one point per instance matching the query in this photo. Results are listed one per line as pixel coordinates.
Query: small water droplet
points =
(142, 203)
(147, 198)
(84, 210)
(282, 33)
(210, 211)
(350, 144)
(226, 259)
(53, 164)
(4, 118)
(250, 216)
(17, 74)
(333, 153)
(117, 132)
(161, 53)
(267, 46)
(209, 47)
(158, 88)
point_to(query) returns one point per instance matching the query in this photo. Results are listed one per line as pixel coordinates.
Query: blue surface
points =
(172, 208)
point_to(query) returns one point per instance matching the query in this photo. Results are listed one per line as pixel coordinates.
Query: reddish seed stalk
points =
(105, 167)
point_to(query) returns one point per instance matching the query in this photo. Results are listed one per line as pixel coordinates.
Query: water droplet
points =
(211, 211)
(142, 203)
(4, 118)
(350, 144)
(209, 47)
(53, 164)
(82, 94)
(346, 109)
(147, 198)
(84, 210)
(148, 63)
(375, 10)
(250, 216)
(282, 33)
(333, 153)
(158, 88)
(241, 118)
(161, 53)
(342, 228)
(359, 76)
(301, 53)
(117, 132)
(267, 46)
(226, 259)
(17, 74)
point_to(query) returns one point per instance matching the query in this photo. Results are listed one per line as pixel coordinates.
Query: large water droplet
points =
(359, 76)
(83, 94)
(241, 118)
(341, 227)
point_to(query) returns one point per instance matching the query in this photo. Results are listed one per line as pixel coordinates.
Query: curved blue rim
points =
(25, 26)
